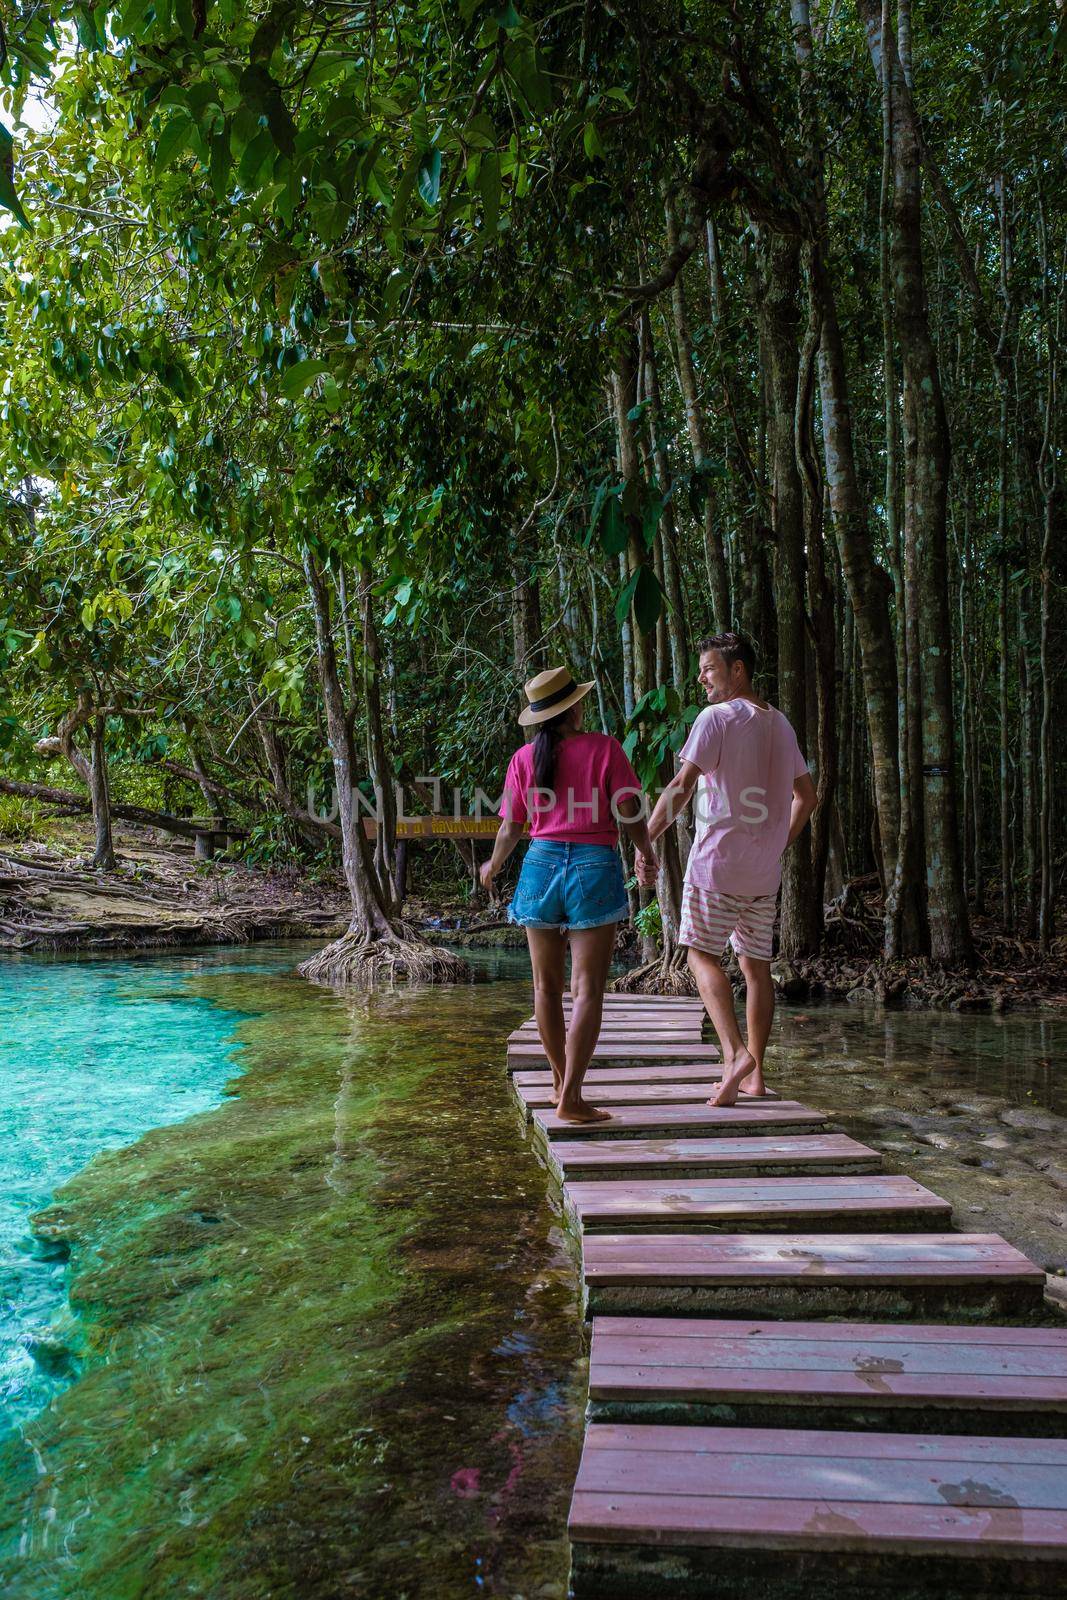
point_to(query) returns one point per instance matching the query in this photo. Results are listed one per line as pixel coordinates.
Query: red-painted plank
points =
(766, 1201)
(711, 1446)
(827, 1332)
(623, 1072)
(612, 1029)
(757, 1116)
(635, 1094)
(825, 1524)
(627, 1049)
(873, 1259)
(721, 1355)
(586, 1158)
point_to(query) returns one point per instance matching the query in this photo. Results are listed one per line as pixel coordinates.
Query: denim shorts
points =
(569, 886)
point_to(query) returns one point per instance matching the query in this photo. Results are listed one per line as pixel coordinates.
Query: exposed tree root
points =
(668, 975)
(363, 959)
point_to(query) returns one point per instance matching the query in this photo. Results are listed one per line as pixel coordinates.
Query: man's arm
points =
(668, 808)
(674, 799)
(805, 799)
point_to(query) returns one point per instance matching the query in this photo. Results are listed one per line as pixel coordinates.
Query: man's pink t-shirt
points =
(750, 759)
(591, 771)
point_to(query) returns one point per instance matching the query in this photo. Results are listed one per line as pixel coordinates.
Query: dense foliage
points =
(359, 360)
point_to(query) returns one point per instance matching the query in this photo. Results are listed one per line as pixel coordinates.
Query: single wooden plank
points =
(822, 1523)
(621, 1036)
(748, 1116)
(634, 1094)
(617, 997)
(786, 1276)
(620, 1158)
(849, 1202)
(624, 1072)
(877, 1257)
(821, 1491)
(624, 1050)
(708, 1361)
(715, 1445)
(833, 1332)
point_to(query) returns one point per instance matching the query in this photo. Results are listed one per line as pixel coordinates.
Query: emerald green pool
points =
(326, 1332)
(297, 1320)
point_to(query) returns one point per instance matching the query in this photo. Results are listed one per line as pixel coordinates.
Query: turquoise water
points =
(92, 1054)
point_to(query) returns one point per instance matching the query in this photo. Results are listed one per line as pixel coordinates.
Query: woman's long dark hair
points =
(546, 745)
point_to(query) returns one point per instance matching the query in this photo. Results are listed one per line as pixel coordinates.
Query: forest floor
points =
(51, 898)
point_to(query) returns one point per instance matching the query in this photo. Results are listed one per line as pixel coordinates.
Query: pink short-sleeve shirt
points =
(592, 773)
(750, 759)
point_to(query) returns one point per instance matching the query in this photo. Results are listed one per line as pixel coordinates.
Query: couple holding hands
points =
(754, 795)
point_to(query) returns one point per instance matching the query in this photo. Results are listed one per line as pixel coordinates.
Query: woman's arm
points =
(507, 837)
(632, 818)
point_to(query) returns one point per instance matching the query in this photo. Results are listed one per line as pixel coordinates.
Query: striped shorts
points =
(708, 919)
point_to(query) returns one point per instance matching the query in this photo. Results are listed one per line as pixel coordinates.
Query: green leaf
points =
(430, 177)
(489, 187)
(650, 518)
(8, 198)
(648, 598)
(626, 594)
(295, 379)
(171, 142)
(591, 140)
(614, 532)
(220, 165)
(594, 514)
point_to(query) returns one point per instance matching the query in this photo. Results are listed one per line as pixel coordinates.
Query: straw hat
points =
(550, 693)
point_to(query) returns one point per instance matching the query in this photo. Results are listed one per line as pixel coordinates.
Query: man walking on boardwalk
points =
(756, 797)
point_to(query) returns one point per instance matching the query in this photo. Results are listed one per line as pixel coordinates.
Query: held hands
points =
(647, 868)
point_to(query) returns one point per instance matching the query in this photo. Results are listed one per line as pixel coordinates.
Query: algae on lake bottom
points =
(327, 1332)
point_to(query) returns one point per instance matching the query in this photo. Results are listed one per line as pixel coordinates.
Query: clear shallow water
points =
(327, 1333)
(92, 1055)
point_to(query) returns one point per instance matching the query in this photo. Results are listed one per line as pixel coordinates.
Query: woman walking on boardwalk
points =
(574, 789)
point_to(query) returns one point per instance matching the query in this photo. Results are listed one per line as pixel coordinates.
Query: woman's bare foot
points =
(753, 1086)
(735, 1072)
(581, 1111)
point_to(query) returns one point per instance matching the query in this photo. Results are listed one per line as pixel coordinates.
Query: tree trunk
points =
(381, 775)
(374, 944)
(780, 319)
(821, 610)
(624, 392)
(104, 854)
(674, 611)
(926, 445)
(714, 549)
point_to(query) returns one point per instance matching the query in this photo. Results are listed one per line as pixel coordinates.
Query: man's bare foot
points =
(581, 1111)
(735, 1072)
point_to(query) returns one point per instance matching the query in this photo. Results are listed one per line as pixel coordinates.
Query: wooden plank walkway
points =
(730, 1432)
(850, 1375)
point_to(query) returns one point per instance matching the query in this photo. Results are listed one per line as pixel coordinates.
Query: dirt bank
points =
(52, 899)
